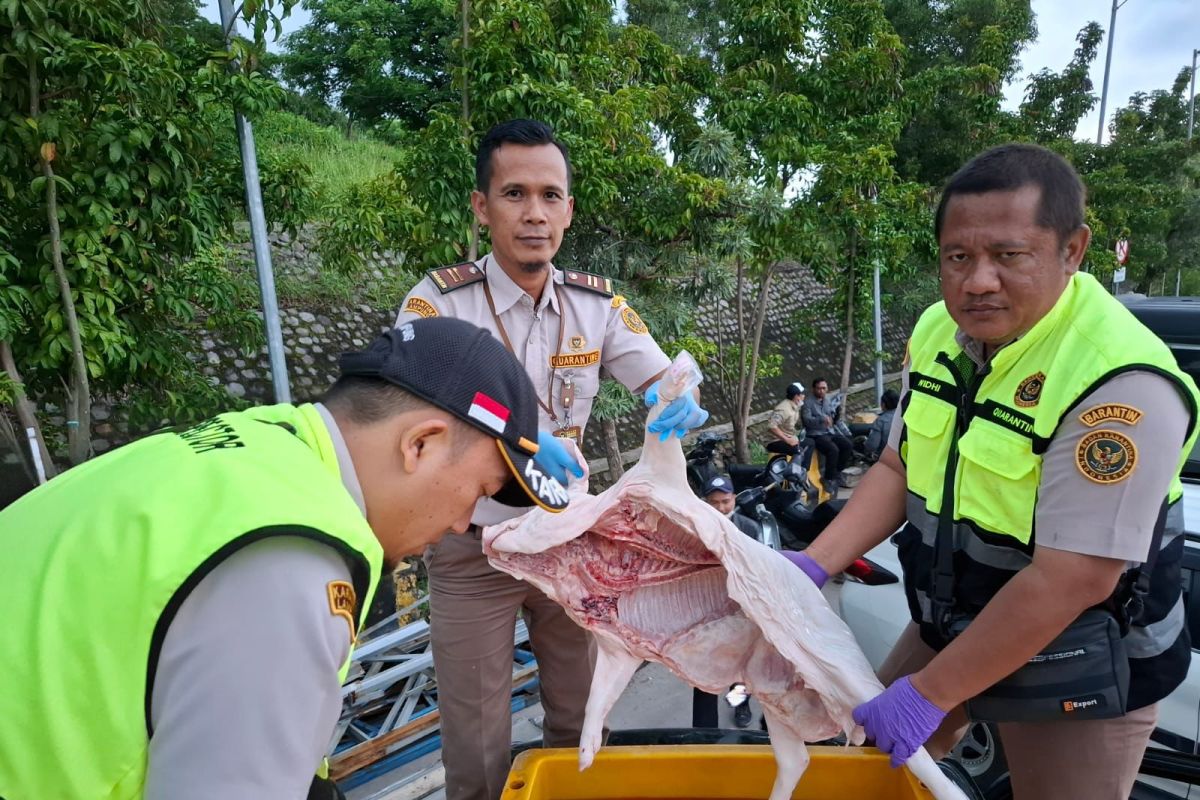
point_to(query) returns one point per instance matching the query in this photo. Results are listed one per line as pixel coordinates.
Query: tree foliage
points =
(960, 53)
(376, 60)
(117, 165)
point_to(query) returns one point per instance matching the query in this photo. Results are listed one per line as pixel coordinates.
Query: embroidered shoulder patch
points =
(633, 321)
(1030, 390)
(590, 281)
(342, 602)
(421, 307)
(1111, 412)
(1106, 456)
(447, 279)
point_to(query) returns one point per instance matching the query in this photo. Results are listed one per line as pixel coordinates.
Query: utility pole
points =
(1191, 125)
(873, 193)
(1192, 103)
(1112, 25)
(258, 234)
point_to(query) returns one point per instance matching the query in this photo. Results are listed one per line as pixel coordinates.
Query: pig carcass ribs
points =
(656, 574)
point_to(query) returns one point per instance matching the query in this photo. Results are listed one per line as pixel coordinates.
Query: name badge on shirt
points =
(573, 432)
(564, 360)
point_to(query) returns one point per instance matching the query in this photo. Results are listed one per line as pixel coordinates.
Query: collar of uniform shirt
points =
(345, 463)
(507, 294)
(975, 349)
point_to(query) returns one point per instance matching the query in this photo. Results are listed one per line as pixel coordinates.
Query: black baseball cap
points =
(718, 483)
(467, 372)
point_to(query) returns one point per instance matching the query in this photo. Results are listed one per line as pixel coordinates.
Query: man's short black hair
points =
(1010, 167)
(524, 132)
(815, 381)
(890, 400)
(367, 401)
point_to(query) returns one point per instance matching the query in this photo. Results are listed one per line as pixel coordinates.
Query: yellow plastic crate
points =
(706, 772)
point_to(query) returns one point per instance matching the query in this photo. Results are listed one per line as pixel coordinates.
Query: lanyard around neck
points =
(548, 405)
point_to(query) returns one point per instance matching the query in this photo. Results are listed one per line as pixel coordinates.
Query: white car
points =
(877, 614)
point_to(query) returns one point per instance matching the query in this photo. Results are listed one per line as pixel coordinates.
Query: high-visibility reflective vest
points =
(97, 562)
(1005, 416)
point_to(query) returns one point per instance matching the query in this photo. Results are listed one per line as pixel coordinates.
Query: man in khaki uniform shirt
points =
(1011, 236)
(565, 327)
(784, 420)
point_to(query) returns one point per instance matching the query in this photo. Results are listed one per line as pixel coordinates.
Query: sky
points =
(1154, 40)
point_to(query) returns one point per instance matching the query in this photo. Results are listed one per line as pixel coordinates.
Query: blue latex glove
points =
(554, 459)
(900, 720)
(810, 567)
(680, 416)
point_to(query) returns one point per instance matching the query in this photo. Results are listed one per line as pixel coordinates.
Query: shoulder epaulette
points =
(447, 279)
(590, 281)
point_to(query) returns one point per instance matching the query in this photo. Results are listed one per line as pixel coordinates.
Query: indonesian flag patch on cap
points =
(489, 412)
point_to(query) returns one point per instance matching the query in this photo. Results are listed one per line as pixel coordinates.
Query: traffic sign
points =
(1122, 249)
(1119, 275)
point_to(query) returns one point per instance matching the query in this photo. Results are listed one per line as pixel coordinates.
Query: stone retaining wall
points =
(316, 331)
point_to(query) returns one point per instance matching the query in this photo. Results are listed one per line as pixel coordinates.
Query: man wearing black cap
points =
(718, 493)
(180, 612)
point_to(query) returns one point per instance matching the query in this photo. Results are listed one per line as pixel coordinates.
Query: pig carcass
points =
(656, 574)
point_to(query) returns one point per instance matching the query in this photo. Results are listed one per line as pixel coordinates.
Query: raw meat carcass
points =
(656, 574)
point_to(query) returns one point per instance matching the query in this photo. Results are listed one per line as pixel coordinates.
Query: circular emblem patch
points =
(633, 321)
(1030, 390)
(1106, 456)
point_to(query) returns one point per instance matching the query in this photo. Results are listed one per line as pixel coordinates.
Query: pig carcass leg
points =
(791, 756)
(614, 669)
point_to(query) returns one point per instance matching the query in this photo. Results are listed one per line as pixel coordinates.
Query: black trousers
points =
(704, 709)
(837, 451)
(801, 452)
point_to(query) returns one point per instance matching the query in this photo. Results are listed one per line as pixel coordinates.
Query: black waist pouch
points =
(1082, 674)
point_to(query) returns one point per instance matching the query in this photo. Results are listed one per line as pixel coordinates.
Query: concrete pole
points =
(1112, 26)
(1192, 103)
(258, 234)
(878, 339)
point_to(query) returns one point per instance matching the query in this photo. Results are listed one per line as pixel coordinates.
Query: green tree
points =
(116, 167)
(1056, 102)
(809, 92)
(376, 59)
(960, 54)
(1144, 186)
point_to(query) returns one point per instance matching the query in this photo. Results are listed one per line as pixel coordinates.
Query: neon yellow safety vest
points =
(98, 561)
(1005, 417)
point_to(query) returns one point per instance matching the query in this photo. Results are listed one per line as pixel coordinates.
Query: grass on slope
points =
(336, 162)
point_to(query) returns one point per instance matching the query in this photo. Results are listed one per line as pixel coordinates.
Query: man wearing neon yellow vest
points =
(179, 613)
(1034, 463)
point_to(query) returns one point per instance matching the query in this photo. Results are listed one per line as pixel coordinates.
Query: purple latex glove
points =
(900, 720)
(810, 567)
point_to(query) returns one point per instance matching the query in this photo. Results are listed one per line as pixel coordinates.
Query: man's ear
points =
(479, 206)
(417, 440)
(1075, 248)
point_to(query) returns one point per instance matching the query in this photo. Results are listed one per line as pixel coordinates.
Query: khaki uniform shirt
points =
(1079, 515)
(785, 416)
(599, 333)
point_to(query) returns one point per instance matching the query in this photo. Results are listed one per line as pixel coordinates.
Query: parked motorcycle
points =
(783, 489)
